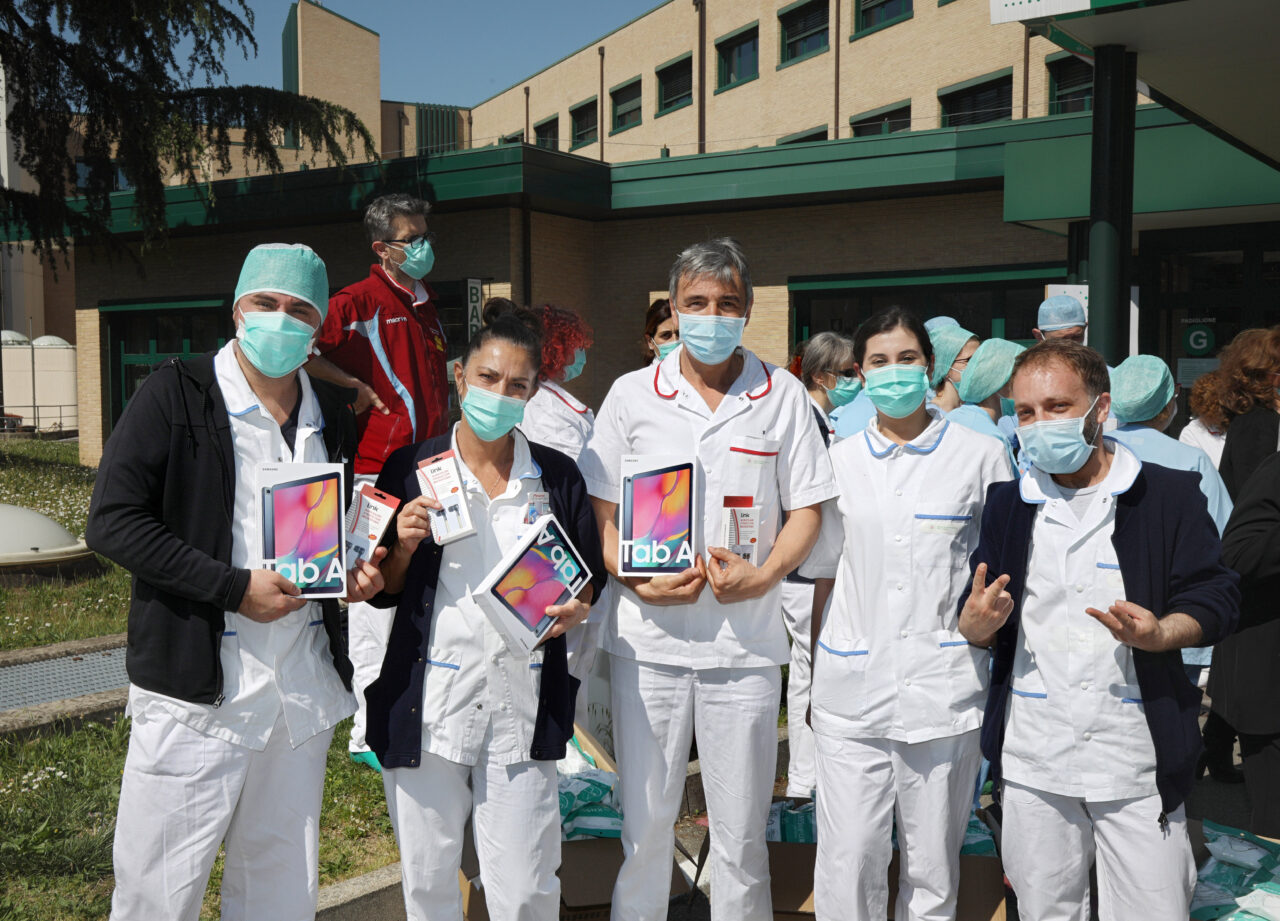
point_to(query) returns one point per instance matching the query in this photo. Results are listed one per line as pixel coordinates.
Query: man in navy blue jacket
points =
(1104, 568)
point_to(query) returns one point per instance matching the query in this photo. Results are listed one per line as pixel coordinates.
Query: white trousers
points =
(184, 792)
(862, 785)
(655, 710)
(797, 611)
(368, 629)
(516, 819)
(1050, 841)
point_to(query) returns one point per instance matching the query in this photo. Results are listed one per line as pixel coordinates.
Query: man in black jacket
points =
(236, 683)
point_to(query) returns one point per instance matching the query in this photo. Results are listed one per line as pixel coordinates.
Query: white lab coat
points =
(556, 418)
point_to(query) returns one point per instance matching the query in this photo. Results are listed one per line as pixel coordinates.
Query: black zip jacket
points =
(162, 507)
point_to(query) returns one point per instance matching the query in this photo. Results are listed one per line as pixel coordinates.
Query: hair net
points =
(989, 369)
(947, 342)
(1140, 388)
(938, 322)
(286, 268)
(1062, 311)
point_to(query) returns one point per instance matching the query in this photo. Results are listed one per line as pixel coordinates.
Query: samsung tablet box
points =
(370, 513)
(301, 526)
(440, 478)
(543, 569)
(656, 527)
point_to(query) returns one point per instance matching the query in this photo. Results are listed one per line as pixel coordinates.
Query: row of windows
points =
(1070, 90)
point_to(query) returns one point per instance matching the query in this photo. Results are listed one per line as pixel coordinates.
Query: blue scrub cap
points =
(1141, 387)
(1062, 311)
(947, 342)
(286, 268)
(989, 369)
(938, 322)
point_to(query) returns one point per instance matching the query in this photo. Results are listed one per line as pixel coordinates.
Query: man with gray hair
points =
(702, 645)
(383, 338)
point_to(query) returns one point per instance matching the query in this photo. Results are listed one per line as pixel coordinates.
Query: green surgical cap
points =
(941, 320)
(286, 268)
(1062, 311)
(989, 369)
(947, 343)
(1140, 388)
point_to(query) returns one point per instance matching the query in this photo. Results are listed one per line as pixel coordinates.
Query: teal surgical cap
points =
(947, 343)
(989, 369)
(938, 322)
(1141, 387)
(286, 268)
(1062, 311)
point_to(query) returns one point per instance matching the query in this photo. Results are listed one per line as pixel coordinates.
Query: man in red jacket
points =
(382, 336)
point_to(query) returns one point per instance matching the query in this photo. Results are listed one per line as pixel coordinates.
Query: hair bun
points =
(499, 310)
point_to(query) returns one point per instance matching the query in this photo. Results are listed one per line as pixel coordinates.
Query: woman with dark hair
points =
(1250, 379)
(897, 692)
(661, 334)
(462, 725)
(554, 417)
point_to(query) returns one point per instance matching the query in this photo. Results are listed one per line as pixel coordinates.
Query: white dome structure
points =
(31, 543)
(51, 342)
(13, 337)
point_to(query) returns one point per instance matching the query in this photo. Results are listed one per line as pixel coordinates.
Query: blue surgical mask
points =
(897, 390)
(574, 368)
(419, 258)
(710, 338)
(1057, 445)
(666, 348)
(274, 342)
(491, 415)
(845, 391)
(1006, 406)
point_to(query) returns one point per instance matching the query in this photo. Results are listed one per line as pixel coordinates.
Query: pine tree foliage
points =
(143, 84)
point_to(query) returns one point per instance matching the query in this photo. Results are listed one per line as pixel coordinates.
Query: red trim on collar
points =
(768, 383)
(580, 412)
(657, 369)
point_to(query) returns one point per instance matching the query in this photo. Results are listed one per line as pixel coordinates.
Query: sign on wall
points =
(1022, 10)
(475, 301)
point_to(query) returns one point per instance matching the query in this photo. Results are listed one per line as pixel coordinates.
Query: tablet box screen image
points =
(300, 508)
(541, 570)
(657, 516)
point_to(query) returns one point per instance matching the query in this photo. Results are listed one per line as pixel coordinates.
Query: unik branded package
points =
(301, 527)
(740, 527)
(367, 519)
(657, 518)
(439, 478)
(543, 569)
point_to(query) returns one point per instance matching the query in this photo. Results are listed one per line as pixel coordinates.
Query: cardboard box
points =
(981, 895)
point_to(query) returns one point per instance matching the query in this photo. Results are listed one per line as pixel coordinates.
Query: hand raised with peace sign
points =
(986, 609)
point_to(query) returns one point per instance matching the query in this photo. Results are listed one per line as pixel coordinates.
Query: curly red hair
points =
(563, 333)
(1246, 369)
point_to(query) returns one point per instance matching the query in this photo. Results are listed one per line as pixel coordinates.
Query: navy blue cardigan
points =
(394, 727)
(1171, 560)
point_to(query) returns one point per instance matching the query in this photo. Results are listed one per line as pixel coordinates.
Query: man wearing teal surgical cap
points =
(953, 347)
(1061, 317)
(984, 388)
(236, 683)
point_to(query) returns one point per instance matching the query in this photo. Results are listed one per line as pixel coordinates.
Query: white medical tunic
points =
(890, 662)
(760, 441)
(284, 665)
(1208, 440)
(556, 418)
(1075, 724)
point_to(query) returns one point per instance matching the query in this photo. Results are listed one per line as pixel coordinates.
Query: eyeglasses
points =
(960, 363)
(846, 373)
(430, 238)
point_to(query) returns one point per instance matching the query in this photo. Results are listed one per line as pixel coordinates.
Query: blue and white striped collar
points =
(240, 399)
(1036, 487)
(925, 443)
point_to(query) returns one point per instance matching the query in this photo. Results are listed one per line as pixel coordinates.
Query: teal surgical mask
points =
(274, 342)
(897, 390)
(1006, 406)
(666, 348)
(574, 368)
(845, 390)
(491, 415)
(1058, 445)
(711, 338)
(419, 257)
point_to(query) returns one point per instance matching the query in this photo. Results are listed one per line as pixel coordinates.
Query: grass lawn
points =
(46, 476)
(58, 800)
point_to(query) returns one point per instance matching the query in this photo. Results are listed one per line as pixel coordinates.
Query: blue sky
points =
(452, 51)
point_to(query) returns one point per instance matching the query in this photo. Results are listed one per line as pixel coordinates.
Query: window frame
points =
(968, 86)
(729, 43)
(785, 38)
(1051, 64)
(553, 120)
(860, 8)
(516, 137)
(881, 114)
(662, 108)
(636, 106)
(804, 137)
(575, 142)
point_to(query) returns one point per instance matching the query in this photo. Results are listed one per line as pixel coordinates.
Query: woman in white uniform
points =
(897, 692)
(1207, 429)
(827, 370)
(554, 416)
(461, 724)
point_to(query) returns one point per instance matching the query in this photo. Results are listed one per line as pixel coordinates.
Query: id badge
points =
(539, 505)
